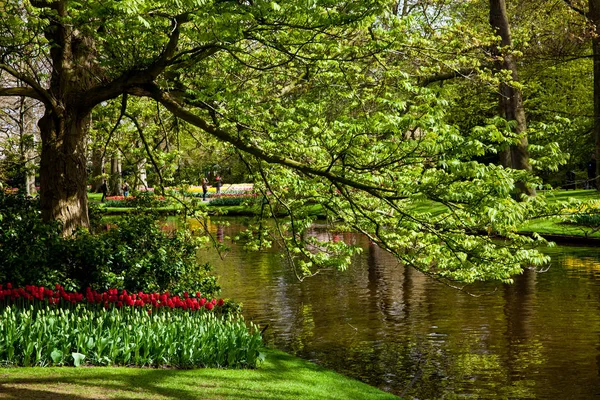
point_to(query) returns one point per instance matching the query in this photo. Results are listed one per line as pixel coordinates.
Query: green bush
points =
(28, 247)
(135, 255)
(84, 335)
(590, 220)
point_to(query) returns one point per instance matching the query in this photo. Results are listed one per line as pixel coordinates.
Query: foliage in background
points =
(585, 214)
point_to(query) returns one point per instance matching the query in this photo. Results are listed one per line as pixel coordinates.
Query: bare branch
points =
(41, 94)
(20, 91)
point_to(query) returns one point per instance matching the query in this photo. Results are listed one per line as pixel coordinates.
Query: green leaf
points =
(56, 356)
(77, 358)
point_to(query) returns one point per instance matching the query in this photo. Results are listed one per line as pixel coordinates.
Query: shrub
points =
(590, 220)
(27, 246)
(136, 255)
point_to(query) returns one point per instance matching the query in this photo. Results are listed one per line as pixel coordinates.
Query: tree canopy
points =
(324, 102)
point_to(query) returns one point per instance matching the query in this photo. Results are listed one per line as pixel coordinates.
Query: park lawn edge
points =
(280, 376)
(554, 228)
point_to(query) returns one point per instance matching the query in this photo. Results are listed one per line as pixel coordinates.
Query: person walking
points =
(591, 172)
(204, 188)
(104, 190)
(125, 189)
(218, 184)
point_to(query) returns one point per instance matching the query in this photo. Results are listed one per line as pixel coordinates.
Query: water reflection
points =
(394, 328)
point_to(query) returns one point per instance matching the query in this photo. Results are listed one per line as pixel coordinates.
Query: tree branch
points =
(111, 133)
(20, 91)
(41, 94)
(178, 110)
(159, 65)
(462, 73)
(148, 151)
(137, 77)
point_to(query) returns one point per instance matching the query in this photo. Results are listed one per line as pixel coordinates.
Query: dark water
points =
(394, 328)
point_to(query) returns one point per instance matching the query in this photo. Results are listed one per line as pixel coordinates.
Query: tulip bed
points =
(44, 327)
(144, 199)
(234, 199)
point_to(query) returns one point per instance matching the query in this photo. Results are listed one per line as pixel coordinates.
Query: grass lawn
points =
(281, 376)
(218, 210)
(552, 226)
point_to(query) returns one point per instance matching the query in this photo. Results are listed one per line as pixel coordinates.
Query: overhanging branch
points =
(40, 94)
(178, 110)
(20, 91)
(461, 73)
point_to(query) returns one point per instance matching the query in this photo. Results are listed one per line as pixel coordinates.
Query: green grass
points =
(554, 226)
(314, 209)
(563, 195)
(551, 226)
(281, 376)
(94, 197)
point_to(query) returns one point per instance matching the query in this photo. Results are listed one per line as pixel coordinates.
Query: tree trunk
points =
(64, 126)
(27, 143)
(115, 176)
(63, 175)
(511, 99)
(141, 176)
(97, 170)
(594, 16)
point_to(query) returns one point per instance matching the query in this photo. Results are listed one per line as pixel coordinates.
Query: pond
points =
(396, 329)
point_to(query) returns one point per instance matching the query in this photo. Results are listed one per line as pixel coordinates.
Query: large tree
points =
(511, 98)
(314, 97)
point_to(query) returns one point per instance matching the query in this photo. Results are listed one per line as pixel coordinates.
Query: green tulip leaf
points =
(77, 358)
(56, 356)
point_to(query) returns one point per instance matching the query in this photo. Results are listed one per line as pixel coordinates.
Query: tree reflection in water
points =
(394, 328)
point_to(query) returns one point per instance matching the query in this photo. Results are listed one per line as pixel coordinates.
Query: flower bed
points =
(233, 189)
(234, 199)
(41, 326)
(110, 298)
(145, 199)
(587, 214)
